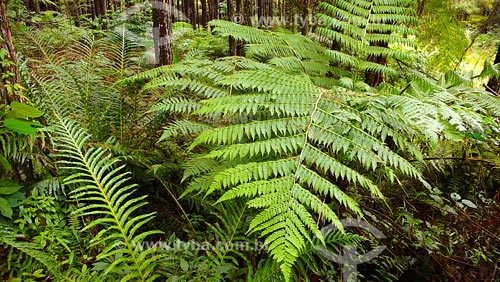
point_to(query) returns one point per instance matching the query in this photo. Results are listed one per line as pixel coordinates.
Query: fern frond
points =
(289, 52)
(183, 128)
(365, 30)
(8, 237)
(292, 159)
(102, 184)
(176, 105)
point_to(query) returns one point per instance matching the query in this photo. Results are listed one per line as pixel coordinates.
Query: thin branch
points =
(456, 159)
(482, 30)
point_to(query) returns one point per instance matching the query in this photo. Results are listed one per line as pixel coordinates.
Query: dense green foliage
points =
(231, 168)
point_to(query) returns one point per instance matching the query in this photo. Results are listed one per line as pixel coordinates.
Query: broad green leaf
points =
(5, 208)
(8, 187)
(184, 265)
(16, 199)
(5, 163)
(26, 110)
(19, 126)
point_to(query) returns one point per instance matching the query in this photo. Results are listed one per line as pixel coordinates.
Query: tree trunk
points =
(270, 8)
(185, 9)
(494, 82)
(192, 13)
(420, 8)
(36, 5)
(162, 31)
(240, 46)
(304, 22)
(214, 9)
(7, 83)
(248, 12)
(178, 11)
(76, 13)
(232, 41)
(204, 13)
(261, 14)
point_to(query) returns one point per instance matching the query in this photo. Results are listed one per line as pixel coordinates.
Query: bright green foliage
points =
(18, 130)
(17, 118)
(10, 197)
(289, 52)
(360, 31)
(77, 83)
(278, 144)
(442, 36)
(292, 160)
(31, 250)
(286, 144)
(295, 150)
(104, 188)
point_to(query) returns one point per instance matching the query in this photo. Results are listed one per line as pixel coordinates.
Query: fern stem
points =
(177, 203)
(104, 194)
(235, 229)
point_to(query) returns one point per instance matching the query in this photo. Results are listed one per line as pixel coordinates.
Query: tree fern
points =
(289, 52)
(102, 185)
(289, 161)
(360, 32)
(296, 150)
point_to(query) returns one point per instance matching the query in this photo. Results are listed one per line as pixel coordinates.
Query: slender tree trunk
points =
(260, 14)
(76, 13)
(210, 10)
(178, 10)
(270, 8)
(7, 83)
(494, 82)
(36, 5)
(240, 46)
(248, 12)
(192, 13)
(197, 13)
(421, 7)
(204, 13)
(185, 9)
(232, 41)
(162, 31)
(214, 9)
(304, 22)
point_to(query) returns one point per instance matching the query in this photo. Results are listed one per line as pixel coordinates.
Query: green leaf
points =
(19, 126)
(26, 110)
(8, 187)
(16, 199)
(184, 265)
(5, 163)
(5, 208)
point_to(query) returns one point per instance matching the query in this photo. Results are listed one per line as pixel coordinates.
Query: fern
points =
(361, 32)
(289, 52)
(32, 250)
(103, 186)
(295, 150)
(391, 268)
(289, 162)
(229, 230)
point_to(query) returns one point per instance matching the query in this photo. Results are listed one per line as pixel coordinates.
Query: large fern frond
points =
(103, 186)
(290, 159)
(363, 30)
(290, 52)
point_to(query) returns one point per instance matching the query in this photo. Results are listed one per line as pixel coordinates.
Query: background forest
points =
(220, 140)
